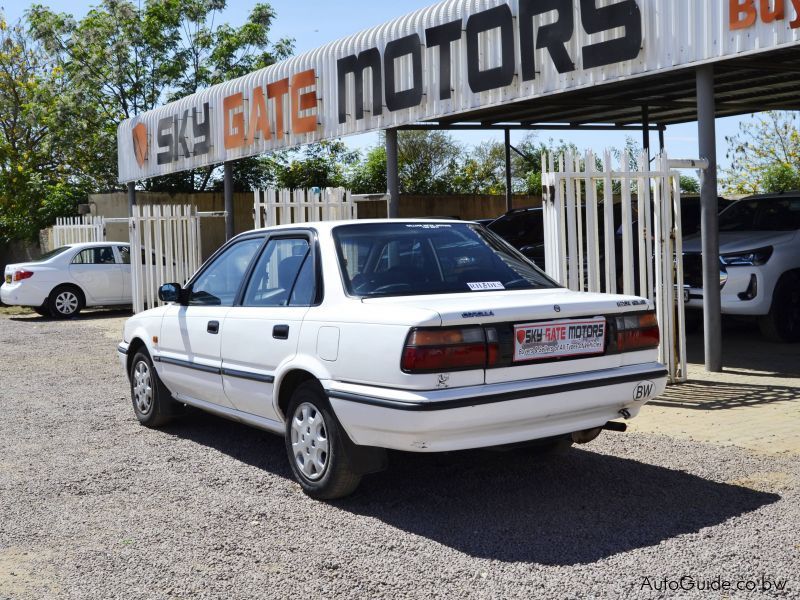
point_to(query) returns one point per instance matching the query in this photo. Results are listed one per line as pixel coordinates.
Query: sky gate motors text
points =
(553, 37)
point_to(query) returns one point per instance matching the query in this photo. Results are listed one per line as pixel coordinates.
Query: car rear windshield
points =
(406, 259)
(769, 214)
(51, 254)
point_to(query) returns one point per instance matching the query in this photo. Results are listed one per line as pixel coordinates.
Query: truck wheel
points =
(782, 324)
(316, 447)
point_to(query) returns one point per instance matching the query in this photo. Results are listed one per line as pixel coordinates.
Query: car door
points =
(189, 344)
(97, 273)
(124, 261)
(263, 332)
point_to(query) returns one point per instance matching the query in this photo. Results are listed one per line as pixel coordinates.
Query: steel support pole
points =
(709, 218)
(392, 174)
(661, 129)
(646, 130)
(228, 192)
(131, 198)
(509, 191)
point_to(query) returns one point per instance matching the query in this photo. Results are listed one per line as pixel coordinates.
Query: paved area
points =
(94, 506)
(754, 403)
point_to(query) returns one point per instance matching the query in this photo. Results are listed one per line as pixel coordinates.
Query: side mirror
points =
(170, 292)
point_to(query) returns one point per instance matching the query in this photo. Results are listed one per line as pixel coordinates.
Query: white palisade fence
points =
(165, 248)
(78, 230)
(284, 207)
(582, 217)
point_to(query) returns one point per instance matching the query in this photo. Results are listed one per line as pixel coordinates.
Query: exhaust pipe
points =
(614, 426)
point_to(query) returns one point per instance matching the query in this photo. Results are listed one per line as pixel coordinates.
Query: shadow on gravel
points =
(716, 395)
(86, 315)
(514, 506)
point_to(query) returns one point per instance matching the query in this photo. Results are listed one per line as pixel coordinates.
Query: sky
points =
(313, 23)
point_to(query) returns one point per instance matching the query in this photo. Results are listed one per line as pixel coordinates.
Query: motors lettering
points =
(499, 21)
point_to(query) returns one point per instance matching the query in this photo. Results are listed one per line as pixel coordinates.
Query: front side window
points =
(218, 284)
(102, 255)
(389, 259)
(283, 275)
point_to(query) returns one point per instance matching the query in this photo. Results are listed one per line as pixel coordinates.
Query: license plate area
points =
(8, 278)
(559, 339)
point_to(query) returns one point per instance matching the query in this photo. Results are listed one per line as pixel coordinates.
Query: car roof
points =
(84, 245)
(327, 226)
(794, 194)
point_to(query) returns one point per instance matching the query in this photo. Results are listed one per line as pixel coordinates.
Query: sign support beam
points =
(509, 191)
(392, 173)
(131, 198)
(228, 193)
(709, 219)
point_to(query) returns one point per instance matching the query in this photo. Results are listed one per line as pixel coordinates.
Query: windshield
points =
(772, 214)
(401, 259)
(51, 254)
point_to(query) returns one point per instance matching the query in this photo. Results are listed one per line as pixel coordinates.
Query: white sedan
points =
(351, 338)
(63, 282)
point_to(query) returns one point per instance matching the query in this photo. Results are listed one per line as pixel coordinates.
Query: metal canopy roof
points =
(743, 85)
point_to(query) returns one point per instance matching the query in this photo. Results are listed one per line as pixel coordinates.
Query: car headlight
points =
(751, 258)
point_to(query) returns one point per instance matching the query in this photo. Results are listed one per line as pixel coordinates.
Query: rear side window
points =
(283, 275)
(102, 255)
(386, 259)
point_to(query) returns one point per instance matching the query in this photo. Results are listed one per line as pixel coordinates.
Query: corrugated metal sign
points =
(454, 57)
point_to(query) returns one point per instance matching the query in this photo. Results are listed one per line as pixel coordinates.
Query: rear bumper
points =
(492, 415)
(17, 294)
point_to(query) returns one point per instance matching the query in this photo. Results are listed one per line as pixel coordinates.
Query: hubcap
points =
(310, 441)
(66, 303)
(142, 388)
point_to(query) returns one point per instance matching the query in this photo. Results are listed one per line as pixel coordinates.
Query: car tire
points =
(43, 310)
(65, 301)
(316, 445)
(782, 324)
(152, 402)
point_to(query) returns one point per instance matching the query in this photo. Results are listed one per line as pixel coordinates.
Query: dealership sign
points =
(453, 58)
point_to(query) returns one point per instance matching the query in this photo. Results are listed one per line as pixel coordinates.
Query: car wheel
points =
(65, 301)
(152, 402)
(42, 310)
(782, 324)
(316, 447)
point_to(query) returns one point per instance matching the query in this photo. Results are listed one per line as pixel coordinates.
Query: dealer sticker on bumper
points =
(559, 339)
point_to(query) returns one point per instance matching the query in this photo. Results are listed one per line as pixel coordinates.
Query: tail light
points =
(437, 349)
(637, 332)
(22, 274)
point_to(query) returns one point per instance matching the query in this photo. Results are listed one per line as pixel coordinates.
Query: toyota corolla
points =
(351, 338)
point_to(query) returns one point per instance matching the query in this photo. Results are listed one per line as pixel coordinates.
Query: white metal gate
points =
(165, 248)
(284, 207)
(593, 212)
(78, 230)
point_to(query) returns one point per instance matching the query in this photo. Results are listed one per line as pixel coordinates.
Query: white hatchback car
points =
(66, 280)
(349, 338)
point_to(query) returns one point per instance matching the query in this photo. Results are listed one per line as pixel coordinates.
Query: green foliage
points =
(764, 154)
(369, 175)
(37, 181)
(689, 185)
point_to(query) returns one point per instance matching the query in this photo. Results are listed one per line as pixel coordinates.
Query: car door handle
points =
(213, 327)
(280, 332)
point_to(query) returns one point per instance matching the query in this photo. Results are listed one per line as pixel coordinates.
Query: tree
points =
(39, 122)
(126, 59)
(689, 185)
(764, 154)
(368, 176)
(427, 161)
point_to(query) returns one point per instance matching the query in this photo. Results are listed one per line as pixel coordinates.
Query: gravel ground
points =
(92, 505)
